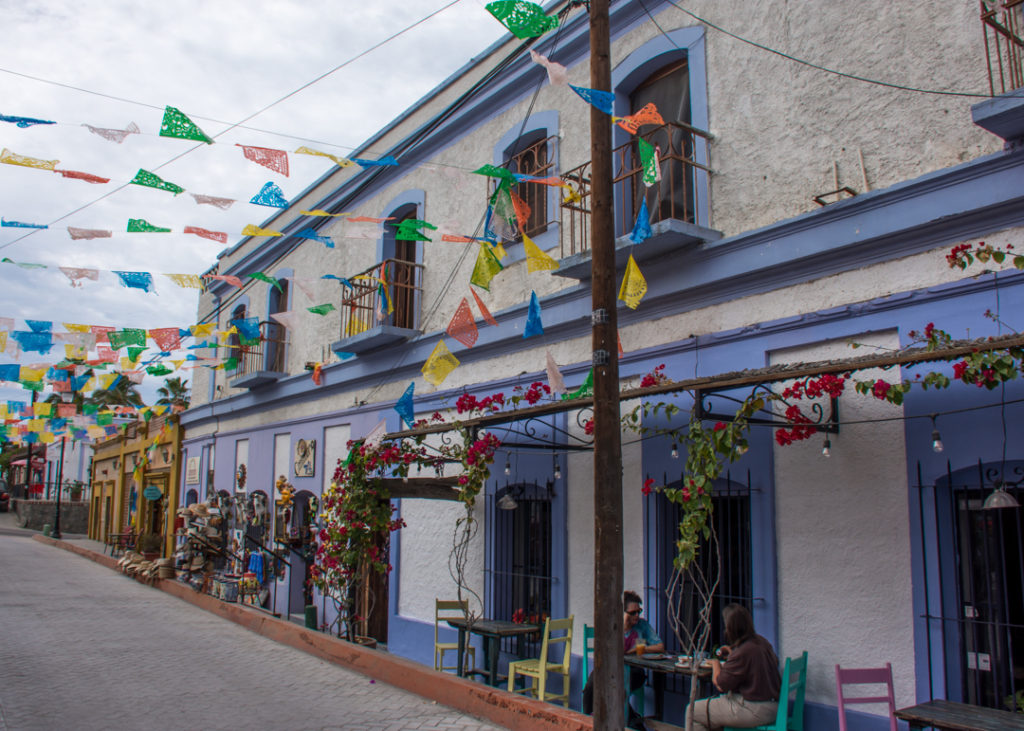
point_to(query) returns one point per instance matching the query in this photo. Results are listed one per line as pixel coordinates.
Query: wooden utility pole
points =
(608, 683)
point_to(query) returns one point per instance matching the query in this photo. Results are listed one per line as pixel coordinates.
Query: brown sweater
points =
(752, 670)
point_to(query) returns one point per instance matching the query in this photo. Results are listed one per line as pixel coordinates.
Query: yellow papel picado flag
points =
(634, 286)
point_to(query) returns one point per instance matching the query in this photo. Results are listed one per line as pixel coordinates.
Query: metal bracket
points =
(600, 358)
(599, 316)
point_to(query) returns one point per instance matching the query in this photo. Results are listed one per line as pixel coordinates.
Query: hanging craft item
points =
(338, 160)
(647, 115)
(268, 279)
(404, 406)
(13, 158)
(191, 281)
(648, 162)
(382, 162)
(505, 178)
(19, 224)
(89, 233)
(141, 225)
(276, 160)
(484, 312)
(152, 180)
(603, 100)
(114, 135)
(463, 326)
(166, 338)
(129, 336)
(537, 260)
(634, 286)
(226, 278)
(585, 389)
(87, 177)
(219, 236)
(176, 124)
(137, 280)
(440, 364)
(312, 235)
(212, 200)
(558, 75)
(24, 122)
(248, 329)
(409, 230)
(322, 309)
(270, 195)
(23, 264)
(75, 274)
(523, 19)
(534, 326)
(642, 228)
(251, 230)
(486, 268)
(555, 381)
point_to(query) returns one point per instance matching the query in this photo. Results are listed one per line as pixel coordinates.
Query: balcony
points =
(380, 306)
(675, 203)
(263, 363)
(1003, 24)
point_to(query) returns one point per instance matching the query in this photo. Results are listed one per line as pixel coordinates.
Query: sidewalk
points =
(476, 699)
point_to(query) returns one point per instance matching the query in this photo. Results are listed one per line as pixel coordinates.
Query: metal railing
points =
(267, 355)
(1003, 24)
(538, 161)
(388, 293)
(681, 148)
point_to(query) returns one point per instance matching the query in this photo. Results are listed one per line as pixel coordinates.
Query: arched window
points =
(668, 89)
(532, 155)
(401, 265)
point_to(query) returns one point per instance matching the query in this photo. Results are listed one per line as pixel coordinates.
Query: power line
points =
(243, 121)
(818, 67)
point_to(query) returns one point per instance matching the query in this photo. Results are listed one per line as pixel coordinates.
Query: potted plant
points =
(75, 489)
(150, 545)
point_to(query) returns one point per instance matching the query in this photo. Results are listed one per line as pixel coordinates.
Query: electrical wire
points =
(809, 64)
(243, 121)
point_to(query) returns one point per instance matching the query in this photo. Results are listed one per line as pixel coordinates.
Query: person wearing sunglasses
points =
(638, 638)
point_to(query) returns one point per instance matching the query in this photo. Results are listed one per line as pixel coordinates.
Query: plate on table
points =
(654, 656)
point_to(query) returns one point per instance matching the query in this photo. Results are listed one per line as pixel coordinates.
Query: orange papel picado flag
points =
(440, 363)
(634, 286)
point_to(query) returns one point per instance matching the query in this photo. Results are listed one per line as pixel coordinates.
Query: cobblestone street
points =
(82, 647)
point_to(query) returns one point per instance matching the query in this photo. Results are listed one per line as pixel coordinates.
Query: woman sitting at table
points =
(749, 679)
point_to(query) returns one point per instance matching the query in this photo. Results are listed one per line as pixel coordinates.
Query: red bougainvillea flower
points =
(720, 425)
(881, 388)
(648, 486)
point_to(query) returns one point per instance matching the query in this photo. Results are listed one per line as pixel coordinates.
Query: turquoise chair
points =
(791, 700)
(588, 648)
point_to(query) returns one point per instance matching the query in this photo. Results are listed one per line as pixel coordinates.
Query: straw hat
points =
(200, 510)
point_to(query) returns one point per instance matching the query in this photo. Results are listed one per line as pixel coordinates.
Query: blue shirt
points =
(642, 631)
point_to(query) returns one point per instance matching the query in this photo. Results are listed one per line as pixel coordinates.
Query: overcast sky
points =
(214, 61)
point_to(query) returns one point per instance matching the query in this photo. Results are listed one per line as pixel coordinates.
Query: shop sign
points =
(192, 471)
(152, 493)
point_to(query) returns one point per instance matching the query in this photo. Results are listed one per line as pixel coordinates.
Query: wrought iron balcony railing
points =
(682, 158)
(1003, 26)
(267, 355)
(388, 293)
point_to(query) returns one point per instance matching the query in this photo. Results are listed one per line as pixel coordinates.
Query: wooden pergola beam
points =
(735, 379)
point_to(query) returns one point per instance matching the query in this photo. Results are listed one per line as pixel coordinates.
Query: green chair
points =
(588, 649)
(790, 716)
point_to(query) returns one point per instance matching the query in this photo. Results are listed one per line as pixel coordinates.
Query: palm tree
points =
(175, 393)
(123, 393)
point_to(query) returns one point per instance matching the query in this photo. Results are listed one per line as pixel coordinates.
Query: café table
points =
(951, 716)
(493, 631)
(664, 665)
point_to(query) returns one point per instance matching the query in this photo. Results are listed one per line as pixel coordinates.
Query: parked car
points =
(5, 497)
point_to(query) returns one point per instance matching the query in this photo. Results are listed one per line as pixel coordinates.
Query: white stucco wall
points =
(843, 541)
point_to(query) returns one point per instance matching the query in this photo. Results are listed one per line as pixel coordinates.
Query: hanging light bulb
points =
(937, 446)
(1000, 498)
(675, 451)
(508, 467)
(826, 448)
(558, 471)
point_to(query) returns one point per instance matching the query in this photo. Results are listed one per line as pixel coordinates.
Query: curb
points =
(497, 706)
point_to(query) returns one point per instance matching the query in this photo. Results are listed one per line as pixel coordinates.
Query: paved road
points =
(83, 648)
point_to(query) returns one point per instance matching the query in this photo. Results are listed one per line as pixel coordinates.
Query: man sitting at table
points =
(638, 637)
(749, 679)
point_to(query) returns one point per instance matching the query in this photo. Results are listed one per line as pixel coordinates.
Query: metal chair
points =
(538, 669)
(865, 676)
(445, 609)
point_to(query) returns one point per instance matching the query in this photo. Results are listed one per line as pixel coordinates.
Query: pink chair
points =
(865, 676)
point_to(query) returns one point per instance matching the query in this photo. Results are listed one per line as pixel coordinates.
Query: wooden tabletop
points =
(493, 627)
(666, 665)
(952, 716)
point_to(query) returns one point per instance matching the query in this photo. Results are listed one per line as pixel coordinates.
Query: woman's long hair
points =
(739, 625)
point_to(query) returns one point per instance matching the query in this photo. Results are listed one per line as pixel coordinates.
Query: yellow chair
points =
(445, 609)
(538, 669)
